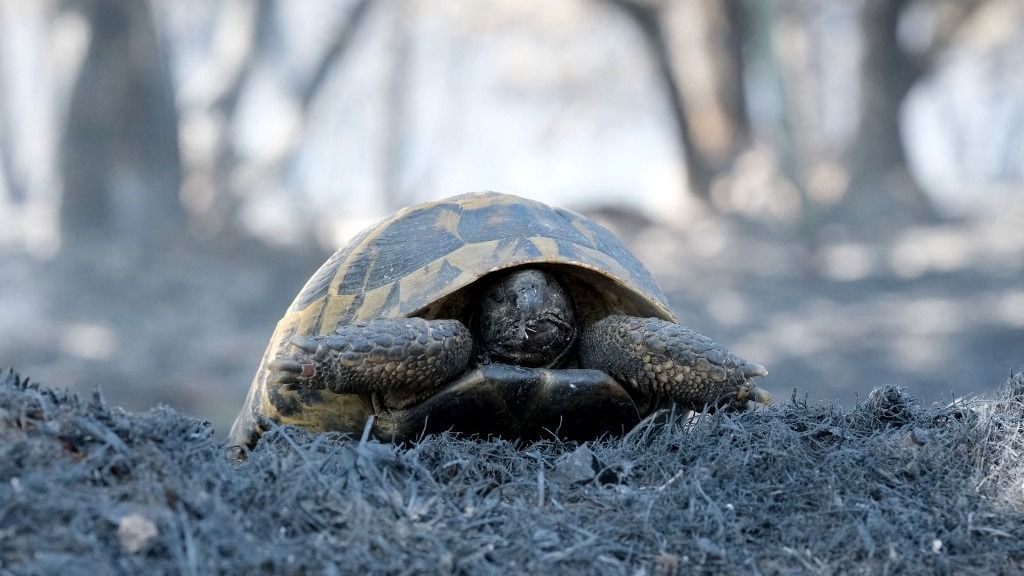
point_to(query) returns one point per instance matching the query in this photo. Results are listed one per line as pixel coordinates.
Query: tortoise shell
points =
(423, 261)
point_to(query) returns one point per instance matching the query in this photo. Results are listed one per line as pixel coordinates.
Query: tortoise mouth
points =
(516, 402)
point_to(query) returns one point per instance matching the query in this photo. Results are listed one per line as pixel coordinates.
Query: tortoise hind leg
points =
(402, 357)
(663, 360)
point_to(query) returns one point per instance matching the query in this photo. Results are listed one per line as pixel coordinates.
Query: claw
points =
(752, 369)
(761, 396)
(307, 344)
(289, 371)
(285, 365)
(750, 392)
(283, 378)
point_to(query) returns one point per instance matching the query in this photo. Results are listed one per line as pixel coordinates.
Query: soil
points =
(887, 487)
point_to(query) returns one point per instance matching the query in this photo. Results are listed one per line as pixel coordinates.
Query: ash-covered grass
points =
(888, 487)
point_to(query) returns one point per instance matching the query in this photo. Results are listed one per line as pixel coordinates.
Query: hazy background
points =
(833, 189)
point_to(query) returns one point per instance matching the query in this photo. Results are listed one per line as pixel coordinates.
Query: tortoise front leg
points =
(400, 357)
(663, 360)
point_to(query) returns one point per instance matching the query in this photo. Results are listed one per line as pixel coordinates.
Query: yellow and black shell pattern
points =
(423, 257)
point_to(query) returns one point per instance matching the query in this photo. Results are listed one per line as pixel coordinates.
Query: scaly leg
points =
(402, 357)
(661, 360)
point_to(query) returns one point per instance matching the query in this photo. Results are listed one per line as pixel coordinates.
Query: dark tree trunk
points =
(727, 29)
(646, 17)
(353, 22)
(121, 167)
(882, 194)
(9, 180)
(735, 31)
(710, 131)
(396, 96)
(888, 74)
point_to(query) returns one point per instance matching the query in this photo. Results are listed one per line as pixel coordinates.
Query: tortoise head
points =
(524, 317)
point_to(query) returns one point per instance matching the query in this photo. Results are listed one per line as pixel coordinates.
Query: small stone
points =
(577, 466)
(919, 436)
(135, 532)
(446, 564)
(710, 548)
(666, 564)
(546, 538)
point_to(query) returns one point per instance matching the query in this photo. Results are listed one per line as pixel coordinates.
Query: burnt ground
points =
(887, 487)
(833, 479)
(937, 309)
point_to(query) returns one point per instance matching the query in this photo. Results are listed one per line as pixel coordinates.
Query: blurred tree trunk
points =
(721, 121)
(881, 185)
(646, 17)
(396, 121)
(887, 75)
(349, 25)
(9, 183)
(734, 29)
(121, 166)
(221, 195)
(710, 121)
(220, 203)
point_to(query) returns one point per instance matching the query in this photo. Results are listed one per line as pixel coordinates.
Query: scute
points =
(604, 241)
(434, 249)
(519, 220)
(317, 286)
(424, 236)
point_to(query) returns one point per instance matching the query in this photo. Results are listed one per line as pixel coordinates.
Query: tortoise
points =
(489, 314)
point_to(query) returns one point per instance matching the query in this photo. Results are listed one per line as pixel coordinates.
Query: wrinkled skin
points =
(525, 319)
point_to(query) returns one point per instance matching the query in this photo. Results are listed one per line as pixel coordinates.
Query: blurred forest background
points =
(833, 189)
